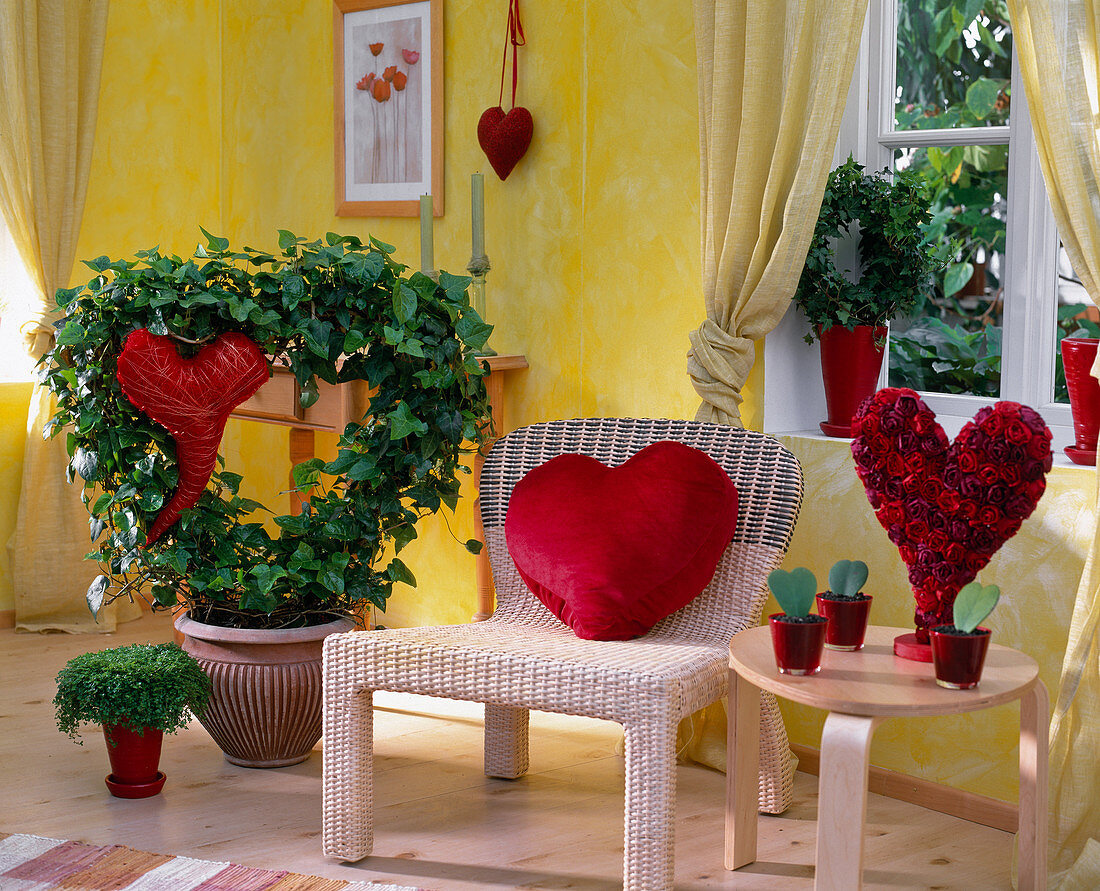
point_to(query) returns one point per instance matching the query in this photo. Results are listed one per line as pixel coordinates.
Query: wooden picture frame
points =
(388, 92)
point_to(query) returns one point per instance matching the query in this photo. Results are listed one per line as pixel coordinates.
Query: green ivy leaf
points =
(404, 423)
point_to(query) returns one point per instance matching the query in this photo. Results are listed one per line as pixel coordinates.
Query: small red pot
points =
(135, 758)
(797, 645)
(850, 365)
(847, 622)
(958, 658)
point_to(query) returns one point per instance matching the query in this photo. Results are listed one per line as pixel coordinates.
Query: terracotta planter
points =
(847, 621)
(265, 709)
(797, 645)
(850, 365)
(1078, 354)
(135, 759)
(958, 658)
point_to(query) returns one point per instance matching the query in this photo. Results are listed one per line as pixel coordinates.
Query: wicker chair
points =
(523, 658)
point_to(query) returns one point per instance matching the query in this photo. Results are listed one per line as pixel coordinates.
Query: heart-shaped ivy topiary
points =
(794, 591)
(338, 310)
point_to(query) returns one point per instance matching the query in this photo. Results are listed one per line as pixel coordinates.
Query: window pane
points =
(952, 342)
(953, 64)
(1077, 317)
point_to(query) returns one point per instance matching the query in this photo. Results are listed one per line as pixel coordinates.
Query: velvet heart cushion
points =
(612, 551)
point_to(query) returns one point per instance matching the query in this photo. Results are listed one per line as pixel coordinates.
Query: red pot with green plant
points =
(138, 693)
(797, 636)
(958, 650)
(844, 607)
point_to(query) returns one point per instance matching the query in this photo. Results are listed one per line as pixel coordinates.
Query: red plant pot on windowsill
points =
(850, 365)
(1078, 354)
(847, 621)
(797, 645)
(958, 657)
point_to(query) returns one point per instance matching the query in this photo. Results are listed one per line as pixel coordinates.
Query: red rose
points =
(989, 473)
(968, 509)
(895, 464)
(937, 540)
(968, 462)
(948, 501)
(955, 552)
(988, 514)
(1016, 432)
(907, 405)
(1010, 473)
(924, 423)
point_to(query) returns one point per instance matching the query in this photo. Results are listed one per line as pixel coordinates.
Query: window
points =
(16, 290)
(937, 89)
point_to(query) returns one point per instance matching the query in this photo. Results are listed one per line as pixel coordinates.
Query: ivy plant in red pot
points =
(848, 312)
(958, 650)
(844, 607)
(797, 636)
(138, 693)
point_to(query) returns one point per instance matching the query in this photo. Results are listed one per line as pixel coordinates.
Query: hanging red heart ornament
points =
(948, 506)
(192, 399)
(506, 136)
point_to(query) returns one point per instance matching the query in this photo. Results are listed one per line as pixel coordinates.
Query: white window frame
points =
(1031, 253)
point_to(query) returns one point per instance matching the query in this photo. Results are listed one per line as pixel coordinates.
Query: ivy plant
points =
(335, 310)
(896, 260)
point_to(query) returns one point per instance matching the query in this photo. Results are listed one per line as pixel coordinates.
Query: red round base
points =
(135, 790)
(1081, 456)
(844, 431)
(906, 646)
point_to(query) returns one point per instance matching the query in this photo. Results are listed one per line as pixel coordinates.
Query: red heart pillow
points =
(948, 507)
(612, 551)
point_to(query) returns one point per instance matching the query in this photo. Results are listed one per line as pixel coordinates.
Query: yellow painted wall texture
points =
(219, 114)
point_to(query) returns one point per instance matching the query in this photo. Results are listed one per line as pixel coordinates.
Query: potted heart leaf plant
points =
(844, 606)
(958, 650)
(797, 636)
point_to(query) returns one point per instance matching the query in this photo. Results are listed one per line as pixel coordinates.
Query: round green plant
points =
(337, 310)
(155, 686)
(896, 260)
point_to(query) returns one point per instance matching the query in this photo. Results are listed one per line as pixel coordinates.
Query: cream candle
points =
(427, 247)
(477, 213)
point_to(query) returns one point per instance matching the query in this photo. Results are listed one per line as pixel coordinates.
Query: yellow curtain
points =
(773, 79)
(51, 53)
(1057, 45)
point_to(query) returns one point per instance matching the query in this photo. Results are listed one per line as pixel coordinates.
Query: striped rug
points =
(31, 863)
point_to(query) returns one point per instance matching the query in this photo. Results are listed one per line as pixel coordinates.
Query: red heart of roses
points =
(192, 398)
(948, 507)
(505, 137)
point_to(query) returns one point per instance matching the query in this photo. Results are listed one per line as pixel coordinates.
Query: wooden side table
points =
(860, 690)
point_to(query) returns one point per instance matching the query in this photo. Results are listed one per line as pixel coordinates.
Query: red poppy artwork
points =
(387, 119)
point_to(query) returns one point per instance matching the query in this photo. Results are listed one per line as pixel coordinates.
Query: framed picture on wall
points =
(389, 106)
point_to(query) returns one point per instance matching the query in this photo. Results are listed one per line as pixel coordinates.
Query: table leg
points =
(1032, 838)
(842, 800)
(742, 771)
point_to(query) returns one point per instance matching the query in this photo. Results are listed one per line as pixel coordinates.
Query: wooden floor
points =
(440, 823)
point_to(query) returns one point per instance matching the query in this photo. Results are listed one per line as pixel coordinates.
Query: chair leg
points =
(648, 852)
(347, 806)
(506, 741)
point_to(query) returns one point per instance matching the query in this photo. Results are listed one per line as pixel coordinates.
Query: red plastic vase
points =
(1078, 354)
(850, 365)
(958, 658)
